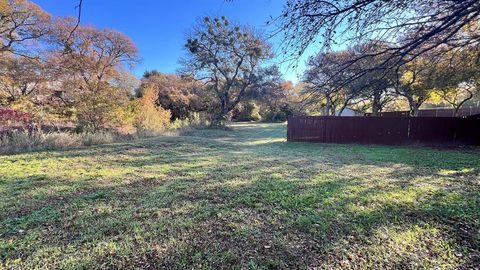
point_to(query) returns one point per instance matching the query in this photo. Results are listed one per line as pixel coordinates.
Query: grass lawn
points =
(240, 199)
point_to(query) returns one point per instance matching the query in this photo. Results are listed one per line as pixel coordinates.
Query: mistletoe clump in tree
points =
(226, 58)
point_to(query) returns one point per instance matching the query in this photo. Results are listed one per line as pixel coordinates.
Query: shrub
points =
(98, 110)
(14, 117)
(279, 115)
(18, 141)
(195, 121)
(185, 126)
(11, 120)
(148, 116)
(276, 117)
(247, 112)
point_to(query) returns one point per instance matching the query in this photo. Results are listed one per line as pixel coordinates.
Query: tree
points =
(20, 77)
(371, 86)
(458, 96)
(225, 57)
(180, 95)
(126, 83)
(414, 82)
(271, 92)
(21, 22)
(319, 88)
(420, 25)
(457, 80)
(327, 79)
(89, 62)
(380, 95)
(324, 85)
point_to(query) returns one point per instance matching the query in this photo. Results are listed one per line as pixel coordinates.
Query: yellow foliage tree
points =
(96, 110)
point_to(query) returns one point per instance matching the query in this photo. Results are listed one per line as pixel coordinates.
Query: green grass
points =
(241, 199)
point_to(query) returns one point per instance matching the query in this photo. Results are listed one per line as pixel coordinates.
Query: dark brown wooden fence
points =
(384, 130)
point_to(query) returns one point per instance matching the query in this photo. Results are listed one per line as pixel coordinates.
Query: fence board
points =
(384, 130)
(463, 112)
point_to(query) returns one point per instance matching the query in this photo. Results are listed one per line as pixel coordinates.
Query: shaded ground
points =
(240, 199)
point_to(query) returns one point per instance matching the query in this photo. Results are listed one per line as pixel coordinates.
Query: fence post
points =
(409, 128)
(288, 128)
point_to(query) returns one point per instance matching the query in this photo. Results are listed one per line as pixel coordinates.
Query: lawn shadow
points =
(192, 202)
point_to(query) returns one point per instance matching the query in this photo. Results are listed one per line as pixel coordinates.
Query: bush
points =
(247, 112)
(149, 117)
(195, 121)
(19, 141)
(96, 111)
(280, 115)
(276, 117)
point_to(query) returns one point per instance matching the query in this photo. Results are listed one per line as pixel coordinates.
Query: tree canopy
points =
(412, 27)
(225, 57)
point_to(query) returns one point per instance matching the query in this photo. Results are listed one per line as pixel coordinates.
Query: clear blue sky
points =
(159, 27)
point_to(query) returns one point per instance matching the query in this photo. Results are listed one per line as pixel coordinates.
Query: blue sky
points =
(159, 27)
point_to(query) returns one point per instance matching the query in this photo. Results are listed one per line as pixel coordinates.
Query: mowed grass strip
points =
(240, 199)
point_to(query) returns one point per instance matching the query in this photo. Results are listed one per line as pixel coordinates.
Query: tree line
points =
(69, 73)
(394, 52)
(439, 76)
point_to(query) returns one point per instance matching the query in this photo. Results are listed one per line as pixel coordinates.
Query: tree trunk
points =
(415, 111)
(344, 106)
(414, 108)
(328, 106)
(376, 104)
(460, 104)
(456, 110)
(219, 118)
(333, 108)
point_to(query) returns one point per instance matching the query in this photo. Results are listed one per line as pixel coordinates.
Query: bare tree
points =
(79, 18)
(225, 57)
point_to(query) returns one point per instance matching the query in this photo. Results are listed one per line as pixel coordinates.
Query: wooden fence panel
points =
(434, 130)
(469, 131)
(384, 130)
(366, 130)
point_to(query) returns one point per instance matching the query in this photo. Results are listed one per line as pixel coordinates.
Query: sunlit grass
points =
(240, 199)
